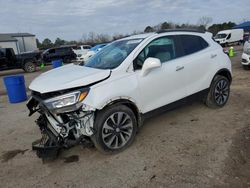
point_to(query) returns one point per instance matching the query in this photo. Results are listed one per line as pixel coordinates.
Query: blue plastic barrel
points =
(57, 63)
(15, 86)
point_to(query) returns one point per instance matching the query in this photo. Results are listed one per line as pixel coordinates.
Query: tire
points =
(111, 136)
(66, 60)
(219, 92)
(246, 67)
(29, 67)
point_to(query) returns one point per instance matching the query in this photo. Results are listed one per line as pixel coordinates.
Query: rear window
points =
(192, 43)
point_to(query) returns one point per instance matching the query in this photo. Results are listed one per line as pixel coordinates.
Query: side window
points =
(229, 36)
(62, 50)
(163, 48)
(192, 43)
(86, 47)
(52, 51)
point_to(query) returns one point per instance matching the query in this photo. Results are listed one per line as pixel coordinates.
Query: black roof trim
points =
(181, 30)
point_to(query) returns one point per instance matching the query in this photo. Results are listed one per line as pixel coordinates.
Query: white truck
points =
(81, 50)
(226, 37)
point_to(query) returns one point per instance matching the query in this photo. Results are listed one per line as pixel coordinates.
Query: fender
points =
(120, 99)
(23, 61)
(129, 102)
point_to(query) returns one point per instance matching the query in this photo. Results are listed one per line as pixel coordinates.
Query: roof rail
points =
(181, 30)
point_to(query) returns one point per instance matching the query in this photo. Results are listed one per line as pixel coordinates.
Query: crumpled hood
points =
(67, 77)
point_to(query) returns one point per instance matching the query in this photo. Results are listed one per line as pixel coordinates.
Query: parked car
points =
(246, 55)
(91, 52)
(107, 99)
(245, 37)
(26, 61)
(81, 50)
(65, 53)
(227, 37)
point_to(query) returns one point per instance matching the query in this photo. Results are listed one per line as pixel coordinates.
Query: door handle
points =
(178, 68)
(213, 55)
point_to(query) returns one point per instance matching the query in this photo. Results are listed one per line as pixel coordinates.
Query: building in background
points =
(20, 42)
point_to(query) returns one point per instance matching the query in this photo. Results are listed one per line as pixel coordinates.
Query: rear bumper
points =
(245, 59)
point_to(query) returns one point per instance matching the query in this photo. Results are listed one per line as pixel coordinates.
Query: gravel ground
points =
(192, 146)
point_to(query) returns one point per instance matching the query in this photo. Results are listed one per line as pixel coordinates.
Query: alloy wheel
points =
(221, 92)
(117, 130)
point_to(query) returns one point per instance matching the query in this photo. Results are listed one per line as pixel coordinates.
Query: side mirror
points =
(149, 64)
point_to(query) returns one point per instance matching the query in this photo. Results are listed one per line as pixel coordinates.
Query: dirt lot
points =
(193, 146)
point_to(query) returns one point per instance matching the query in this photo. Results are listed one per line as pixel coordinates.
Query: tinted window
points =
(52, 51)
(87, 47)
(163, 48)
(192, 43)
(62, 50)
(77, 48)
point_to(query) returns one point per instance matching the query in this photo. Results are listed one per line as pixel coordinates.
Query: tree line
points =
(92, 38)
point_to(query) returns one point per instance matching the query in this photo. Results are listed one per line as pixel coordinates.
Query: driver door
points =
(165, 84)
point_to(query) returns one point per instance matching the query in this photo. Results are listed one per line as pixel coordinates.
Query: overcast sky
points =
(69, 19)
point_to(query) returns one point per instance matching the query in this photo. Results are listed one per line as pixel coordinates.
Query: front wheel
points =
(219, 92)
(116, 127)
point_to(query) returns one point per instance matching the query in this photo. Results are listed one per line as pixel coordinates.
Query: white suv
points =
(106, 100)
(246, 55)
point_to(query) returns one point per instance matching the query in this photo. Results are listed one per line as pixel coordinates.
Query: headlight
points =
(66, 100)
(247, 51)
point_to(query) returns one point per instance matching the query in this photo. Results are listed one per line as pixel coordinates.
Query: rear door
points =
(197, 58)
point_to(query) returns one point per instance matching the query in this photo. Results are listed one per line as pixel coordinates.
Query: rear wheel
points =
(29, 66)
(219, 92)
(115, 127)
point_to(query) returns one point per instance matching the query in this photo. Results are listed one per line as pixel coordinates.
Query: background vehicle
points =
(226, 37)
(81, 50)
(245, 37)
(131, 79)
(246, 55)
(26, 61)
(64, 53)
(91, 52)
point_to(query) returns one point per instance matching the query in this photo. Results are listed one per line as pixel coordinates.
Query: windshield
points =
(97, 47)
(220, 36)
(45, 51)
(111, 56)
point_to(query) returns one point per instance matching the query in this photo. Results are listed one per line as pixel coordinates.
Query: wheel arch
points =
(130, 104)
(28, 60)
(224, 72)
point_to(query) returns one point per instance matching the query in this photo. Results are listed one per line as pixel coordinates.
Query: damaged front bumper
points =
(61, 128)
